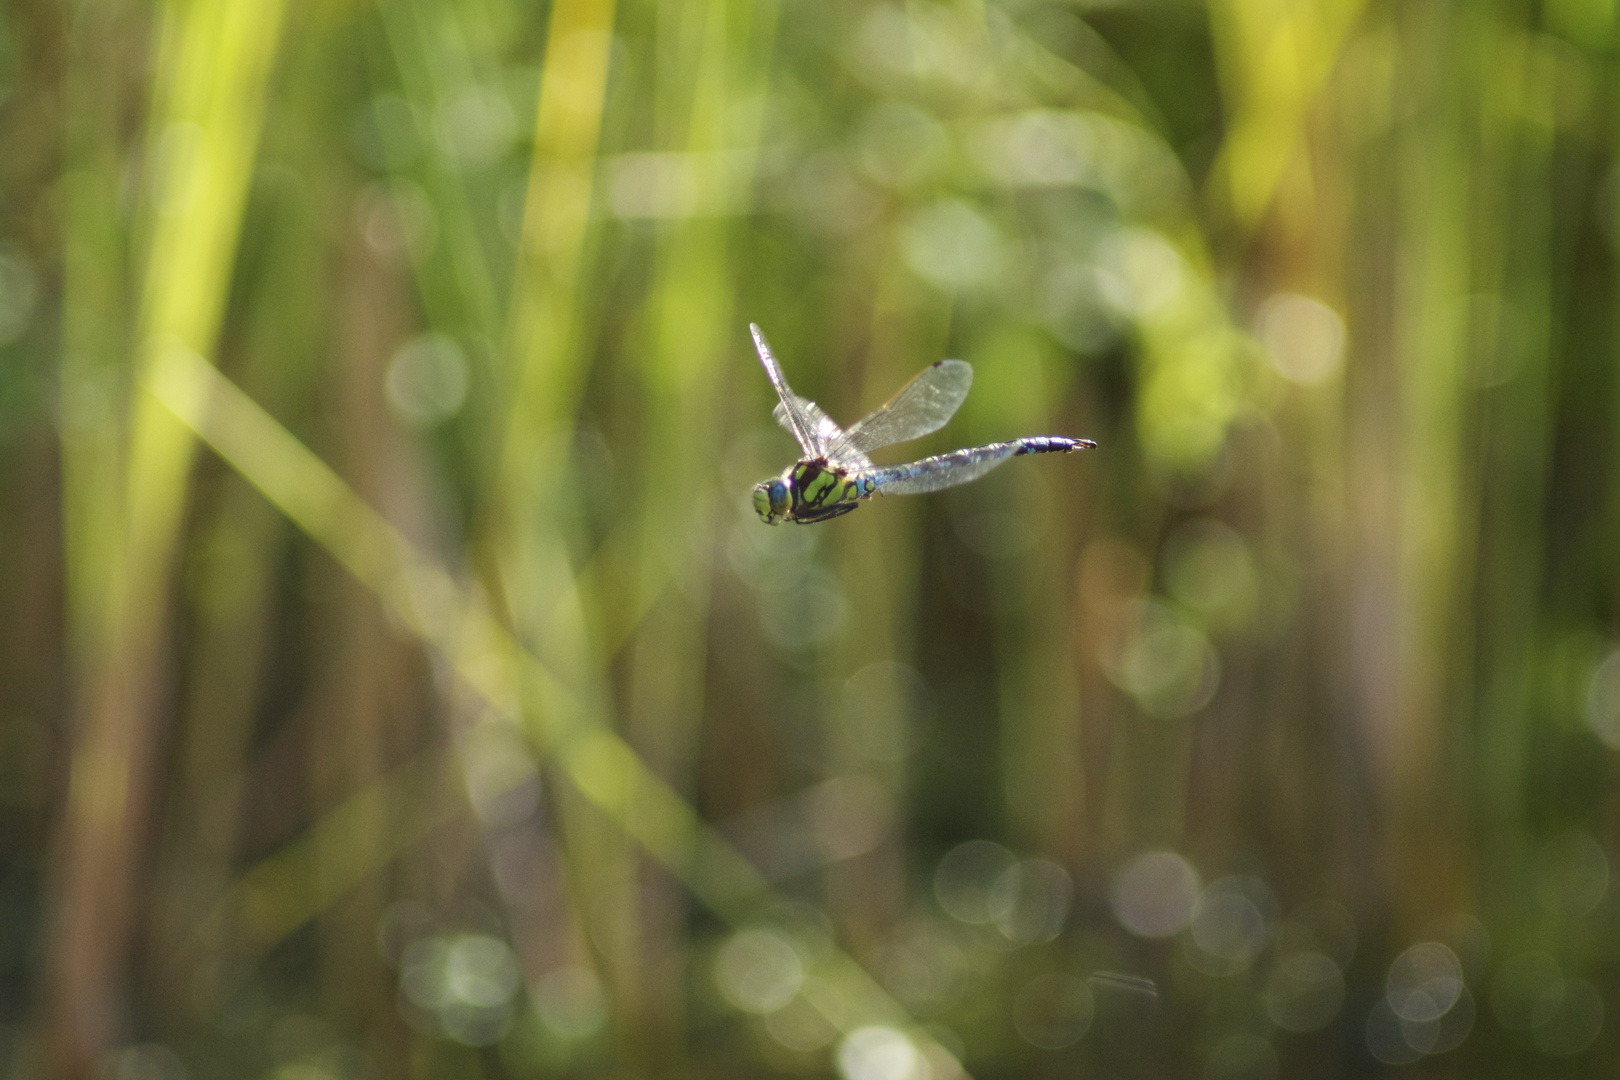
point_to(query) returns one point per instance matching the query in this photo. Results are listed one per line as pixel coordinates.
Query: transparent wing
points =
(943, 471)
(823, 432)
(963, 466)
(794, 411)
(921, 407)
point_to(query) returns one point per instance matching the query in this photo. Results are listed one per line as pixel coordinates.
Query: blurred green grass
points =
(399, 683)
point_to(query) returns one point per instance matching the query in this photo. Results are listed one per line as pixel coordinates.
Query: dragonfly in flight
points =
(835, 474)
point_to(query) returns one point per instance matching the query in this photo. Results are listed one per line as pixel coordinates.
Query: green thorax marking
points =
(817, 486)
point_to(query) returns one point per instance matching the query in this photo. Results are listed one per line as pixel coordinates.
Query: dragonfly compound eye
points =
(771, 501)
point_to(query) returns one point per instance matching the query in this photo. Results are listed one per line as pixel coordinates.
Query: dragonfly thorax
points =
(810, 491)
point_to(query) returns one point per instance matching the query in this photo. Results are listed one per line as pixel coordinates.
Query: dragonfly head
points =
(771, 501)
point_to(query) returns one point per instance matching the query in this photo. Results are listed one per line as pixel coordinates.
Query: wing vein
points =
(793, 412)
(921, 407)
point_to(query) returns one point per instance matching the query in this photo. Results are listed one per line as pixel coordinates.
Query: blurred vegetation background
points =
(396, 681)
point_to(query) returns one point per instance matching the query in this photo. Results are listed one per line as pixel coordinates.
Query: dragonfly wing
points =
(942, 471)
(792, 412)
(921, 407)
(963, 466)
(823, 432)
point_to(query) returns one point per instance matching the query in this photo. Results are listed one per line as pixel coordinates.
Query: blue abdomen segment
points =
(962, 466)
(1048, 444)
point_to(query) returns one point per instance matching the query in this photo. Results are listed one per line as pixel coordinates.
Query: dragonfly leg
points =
(823, 513)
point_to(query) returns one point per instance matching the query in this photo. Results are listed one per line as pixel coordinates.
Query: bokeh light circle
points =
(1572, 875)
(1424, 982)
(1154, 894)
(1230, 925)
(1567, 1018)
(880, 1053)
(426, 381)
(1053, 1011)
(1303, 338)
(966, 877)
(571, 1002)
(1029, 901)
(1603, 701)
(1304, 992)
(1445, 1032)
(758, 970)
(1241, 1056)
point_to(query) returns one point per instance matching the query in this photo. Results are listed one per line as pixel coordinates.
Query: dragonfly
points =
(835, 475)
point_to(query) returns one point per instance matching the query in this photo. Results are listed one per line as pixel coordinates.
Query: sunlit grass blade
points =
(208, 108)
(1274, 59)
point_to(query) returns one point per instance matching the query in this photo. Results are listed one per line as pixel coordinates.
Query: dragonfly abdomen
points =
(961, 466)
(1049, 444)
